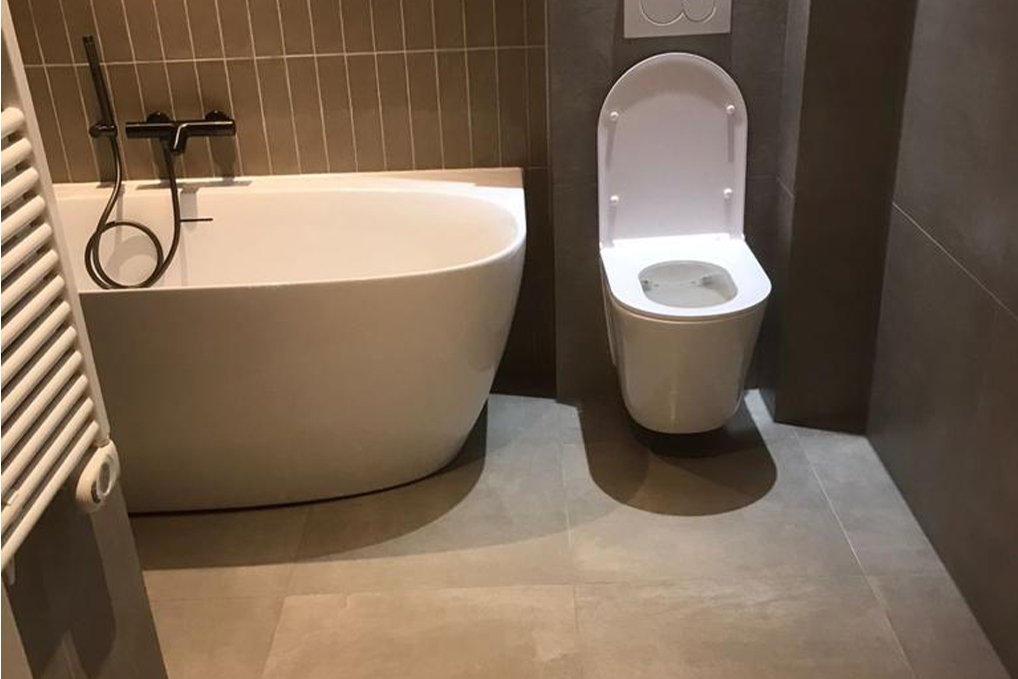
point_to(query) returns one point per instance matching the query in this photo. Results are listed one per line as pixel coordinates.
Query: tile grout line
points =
(197, 76)
(438, 89)
(318, 88)
(954, 260)
(166, 70)
(378, 83)
(349, 91)
(498, 87)
(229, 96)
(289, 90)
(466, 70)
(841, 525)
(258, 85)
(52, 101)
(81, 92)
(409, 102)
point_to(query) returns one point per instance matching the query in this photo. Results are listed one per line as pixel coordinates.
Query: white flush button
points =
(699, 10)
(613, 116)
(661, 11)
(730, 109)
(614, 200)
(728, 194)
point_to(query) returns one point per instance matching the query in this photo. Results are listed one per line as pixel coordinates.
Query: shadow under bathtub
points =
(273, 535)
(681, 475)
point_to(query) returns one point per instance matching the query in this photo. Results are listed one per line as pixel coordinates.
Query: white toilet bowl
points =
(684, 294)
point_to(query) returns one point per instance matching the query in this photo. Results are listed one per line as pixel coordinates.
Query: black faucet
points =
(175, 133)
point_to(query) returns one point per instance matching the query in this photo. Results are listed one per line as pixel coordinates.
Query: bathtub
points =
(323, 335)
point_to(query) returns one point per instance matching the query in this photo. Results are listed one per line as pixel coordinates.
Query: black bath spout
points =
(175, 133)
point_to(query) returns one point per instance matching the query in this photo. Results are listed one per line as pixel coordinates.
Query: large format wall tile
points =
(959, 142)
(945, 371)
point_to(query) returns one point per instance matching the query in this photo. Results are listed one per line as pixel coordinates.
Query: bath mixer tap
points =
(175, 133)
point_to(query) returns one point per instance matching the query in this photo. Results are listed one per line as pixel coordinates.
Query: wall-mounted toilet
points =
(684, 295)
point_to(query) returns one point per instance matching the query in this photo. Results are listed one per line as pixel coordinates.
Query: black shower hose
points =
(92, 264)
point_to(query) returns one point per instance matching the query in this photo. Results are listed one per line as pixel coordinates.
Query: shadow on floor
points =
(681, 475)
(270, 535)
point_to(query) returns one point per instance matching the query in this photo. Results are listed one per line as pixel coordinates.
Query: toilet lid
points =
(671, 147)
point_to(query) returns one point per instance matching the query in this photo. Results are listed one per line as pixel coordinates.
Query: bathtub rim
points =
(511, 178)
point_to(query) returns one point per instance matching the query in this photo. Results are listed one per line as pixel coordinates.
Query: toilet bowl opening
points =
(687, 284)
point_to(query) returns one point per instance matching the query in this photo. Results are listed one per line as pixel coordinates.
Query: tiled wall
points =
(315, 86)
(945, 381)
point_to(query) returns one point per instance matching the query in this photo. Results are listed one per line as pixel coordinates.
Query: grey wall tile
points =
(480, 23)
(512, 108)
(52, 36)
(264, 17)
(959, 143)
(49, 128)
(187, 103)
(247, 107)
(272, 80)
(296, 20)
(100, 147)
(481, 72)
(214, 89)
(143, 25)
(427, 129)
(327, 26)
(367, 118)
(236, 28)
(944, 366)
(510, 22)
(332, 84)
(393, 89)
(419, 25)
(24, 27)
(387, 20)
(357, 32)
(307, 114)
(203, 19)
(174, 30)
(452, 97)
(448, 23)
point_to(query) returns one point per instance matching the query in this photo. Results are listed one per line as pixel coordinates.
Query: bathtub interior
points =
(305, 228)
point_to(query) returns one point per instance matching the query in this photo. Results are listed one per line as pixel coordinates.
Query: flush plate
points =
(655, 18)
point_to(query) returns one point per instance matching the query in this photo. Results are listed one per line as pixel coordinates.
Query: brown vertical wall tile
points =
(424, 111)
(387, 18)
(452, 97)
(509, 22)
(141, 21)
(278, 116)
(173, 26)
(233, 20)
(155, 96)
(307, 114)
(367, 125)
(512, 97)
(78, 17)
(138, 156)
(214, 88)
(49, 129)
(50, 27)
(535, 11)
(296, 26)
(395, 112)
(448, 23)
(357, 25)
(336, 109)
(268, 40)
(204, 28)
(418, 23)
(24, 28)
(187, 104)
(483, 108)
(480, 23)
(248, 114)
(537, 107)
(100, 148)
(326, 26)
(116, 42)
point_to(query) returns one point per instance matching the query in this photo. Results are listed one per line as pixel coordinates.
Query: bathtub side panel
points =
(272, 394)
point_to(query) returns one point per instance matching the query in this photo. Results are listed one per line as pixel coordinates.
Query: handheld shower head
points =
(106, 126)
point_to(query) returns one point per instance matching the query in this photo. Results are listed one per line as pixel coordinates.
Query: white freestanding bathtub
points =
(323, 335)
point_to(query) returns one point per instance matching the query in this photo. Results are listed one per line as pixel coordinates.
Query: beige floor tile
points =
(490, 519)
(218, 554)
(513, 633)
(216, 638)
(937, 630)
(750, 509)
(746, 629)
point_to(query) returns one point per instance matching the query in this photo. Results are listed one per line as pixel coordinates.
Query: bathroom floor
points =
(559, 545)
